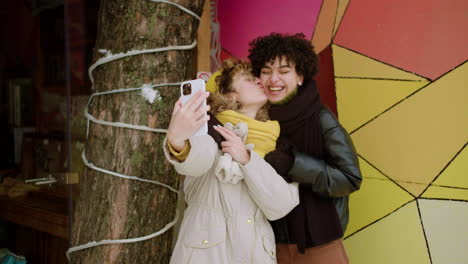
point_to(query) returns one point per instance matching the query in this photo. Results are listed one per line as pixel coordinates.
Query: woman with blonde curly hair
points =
(230, 190)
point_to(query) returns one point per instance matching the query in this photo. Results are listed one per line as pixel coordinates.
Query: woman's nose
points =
(257, 81)
(274, 77)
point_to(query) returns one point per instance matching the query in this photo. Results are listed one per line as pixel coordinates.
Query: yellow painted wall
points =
(411, 134)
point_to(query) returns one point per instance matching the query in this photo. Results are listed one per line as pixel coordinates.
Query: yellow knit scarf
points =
(262, 134)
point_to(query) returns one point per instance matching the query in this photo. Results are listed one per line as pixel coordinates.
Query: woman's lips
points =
(276, 89)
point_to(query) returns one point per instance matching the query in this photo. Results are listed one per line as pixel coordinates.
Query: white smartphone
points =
(187, 90)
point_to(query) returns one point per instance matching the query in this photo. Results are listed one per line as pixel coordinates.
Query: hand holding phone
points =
(189, 116)
(187, 90)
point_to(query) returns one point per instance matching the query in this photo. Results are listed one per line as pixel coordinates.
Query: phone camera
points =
(187, 89)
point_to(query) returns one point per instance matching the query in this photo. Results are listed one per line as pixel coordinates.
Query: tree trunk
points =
(113, 208)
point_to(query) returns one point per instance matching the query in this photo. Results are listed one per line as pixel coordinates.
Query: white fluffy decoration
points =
(150, 94)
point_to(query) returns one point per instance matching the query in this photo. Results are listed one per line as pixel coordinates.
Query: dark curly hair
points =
(295, 48)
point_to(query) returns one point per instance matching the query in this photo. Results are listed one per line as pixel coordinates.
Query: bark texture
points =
(113, 208)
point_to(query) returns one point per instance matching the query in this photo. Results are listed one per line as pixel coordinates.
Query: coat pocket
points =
(206, 238)
(269, 246)
(207, 246)
(268, 239)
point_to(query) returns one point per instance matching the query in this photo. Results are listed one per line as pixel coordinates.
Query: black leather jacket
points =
(338, 174)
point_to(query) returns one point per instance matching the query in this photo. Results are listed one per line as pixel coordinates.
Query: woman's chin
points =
(275, 97)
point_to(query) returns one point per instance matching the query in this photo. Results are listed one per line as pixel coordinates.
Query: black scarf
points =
(315, 220)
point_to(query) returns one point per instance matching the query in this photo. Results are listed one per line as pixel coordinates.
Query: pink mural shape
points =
(242, 20)
(427, 37)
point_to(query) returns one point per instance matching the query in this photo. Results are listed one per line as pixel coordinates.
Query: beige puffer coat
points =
(227, 223)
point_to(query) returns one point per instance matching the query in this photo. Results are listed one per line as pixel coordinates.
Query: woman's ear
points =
(232, 95)
(300, 80)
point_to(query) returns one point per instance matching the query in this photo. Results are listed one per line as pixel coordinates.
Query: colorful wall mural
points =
(396, 73)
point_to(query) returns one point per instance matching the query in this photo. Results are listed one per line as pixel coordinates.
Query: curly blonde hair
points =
(221, 101)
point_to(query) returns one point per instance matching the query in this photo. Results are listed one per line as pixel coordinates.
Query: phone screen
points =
(187, 90)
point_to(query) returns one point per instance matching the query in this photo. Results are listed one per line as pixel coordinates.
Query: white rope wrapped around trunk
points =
(90, 118)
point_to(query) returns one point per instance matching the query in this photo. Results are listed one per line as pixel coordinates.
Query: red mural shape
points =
(325, 79)
(427, 37)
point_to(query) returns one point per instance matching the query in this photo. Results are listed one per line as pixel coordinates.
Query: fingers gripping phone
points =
(187, 90)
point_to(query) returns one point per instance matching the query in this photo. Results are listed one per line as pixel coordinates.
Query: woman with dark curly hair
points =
(325, 161)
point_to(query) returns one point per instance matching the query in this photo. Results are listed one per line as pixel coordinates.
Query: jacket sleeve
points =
(200, 159)
(339, 174)
(272, 194)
